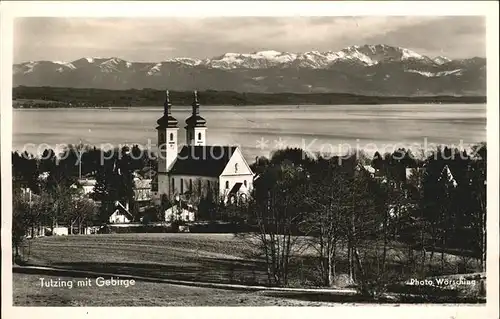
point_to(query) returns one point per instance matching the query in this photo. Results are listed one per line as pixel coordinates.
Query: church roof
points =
(167, 121)
(208, 161)
(195, 120)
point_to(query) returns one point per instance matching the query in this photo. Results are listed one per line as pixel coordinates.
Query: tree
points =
(20, 221)
(82, 212)
(277, 209)
(123, 178)
(61, 187)
(25, 170)
(291, 156)
(326, 218)
(366, 216)
(259, 165)
(105, 190)
(48, 161)
(478, 193)
(91, 160)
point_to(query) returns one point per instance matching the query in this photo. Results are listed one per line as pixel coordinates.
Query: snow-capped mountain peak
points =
(113, 60)
(112, 65)
(357, 56)
(255, 60)
(441, 60)
(32, 64)
(408, 54)
(371, 69)
(365, 55)
(186, 61)
(67, 64)
(155, 69)
(269, 54)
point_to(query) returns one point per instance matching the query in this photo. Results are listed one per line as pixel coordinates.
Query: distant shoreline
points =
(51, 97)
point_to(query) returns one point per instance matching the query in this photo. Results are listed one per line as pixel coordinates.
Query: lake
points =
(261, 129)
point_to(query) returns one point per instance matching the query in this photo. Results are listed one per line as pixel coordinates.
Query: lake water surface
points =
(260, 129)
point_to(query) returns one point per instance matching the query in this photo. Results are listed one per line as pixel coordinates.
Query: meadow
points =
(216, 258)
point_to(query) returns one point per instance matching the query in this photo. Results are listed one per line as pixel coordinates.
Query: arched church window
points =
(199, 136)
(173, 184)
(182, 186)
(245, 183)
(171, 136)
(190, 185)
(236, 168)
(227, 184)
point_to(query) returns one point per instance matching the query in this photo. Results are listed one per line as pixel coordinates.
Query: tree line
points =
(352, 213)
(47, 189)
(53, 97)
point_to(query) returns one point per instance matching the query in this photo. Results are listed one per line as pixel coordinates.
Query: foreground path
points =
(146, 291)
(59, 271)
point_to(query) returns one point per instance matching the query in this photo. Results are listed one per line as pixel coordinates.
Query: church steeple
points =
(167, 120)
(196, 104)
(167, 106)
(167, 144)
(195, 119)
(195, 124)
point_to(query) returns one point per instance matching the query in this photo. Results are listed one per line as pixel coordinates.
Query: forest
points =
(52, 97)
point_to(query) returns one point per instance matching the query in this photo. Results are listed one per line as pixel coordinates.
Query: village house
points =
(87, 185)
(121, 215)
(181, 211)
(142, 190)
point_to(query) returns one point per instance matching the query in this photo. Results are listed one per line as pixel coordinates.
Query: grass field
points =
(218, 258)
(198, 257)
(27, 292)
(210, 257)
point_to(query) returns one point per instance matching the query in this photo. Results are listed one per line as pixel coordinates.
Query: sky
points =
(158, 39)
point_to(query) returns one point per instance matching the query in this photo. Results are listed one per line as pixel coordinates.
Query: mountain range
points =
(381, 70)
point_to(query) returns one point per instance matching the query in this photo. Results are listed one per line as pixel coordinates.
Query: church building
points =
(198, 170)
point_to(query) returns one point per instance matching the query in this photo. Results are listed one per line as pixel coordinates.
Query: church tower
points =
(196, 128)
(167, 144)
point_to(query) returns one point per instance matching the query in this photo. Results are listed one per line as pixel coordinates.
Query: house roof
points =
(209, 160)
(235, 188)
(87, 182)
(142, 183)
(122, 210)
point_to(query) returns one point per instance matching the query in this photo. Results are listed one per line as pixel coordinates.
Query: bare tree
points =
(325, 220)
(20, 221)
(84, 210)
(277, 209)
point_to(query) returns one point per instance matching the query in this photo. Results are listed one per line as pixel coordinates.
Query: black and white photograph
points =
(249, 161)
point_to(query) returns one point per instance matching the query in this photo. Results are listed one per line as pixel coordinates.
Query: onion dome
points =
(195, 119)
(167, 120)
